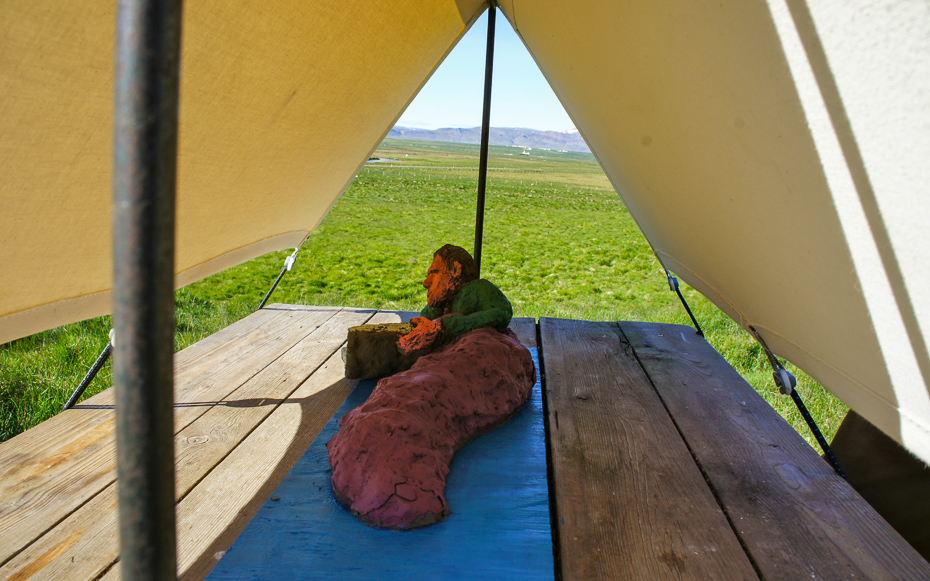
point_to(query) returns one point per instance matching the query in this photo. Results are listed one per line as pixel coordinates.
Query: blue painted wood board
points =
(499, 527)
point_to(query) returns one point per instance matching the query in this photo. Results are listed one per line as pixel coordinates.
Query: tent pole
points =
(145, 158)
(485, 135)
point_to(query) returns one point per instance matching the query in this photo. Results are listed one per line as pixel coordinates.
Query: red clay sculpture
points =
(391, 455)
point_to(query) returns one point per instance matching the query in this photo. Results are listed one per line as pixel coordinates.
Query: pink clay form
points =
(391, 455)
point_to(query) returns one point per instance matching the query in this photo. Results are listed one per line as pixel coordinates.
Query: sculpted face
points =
(441, 282)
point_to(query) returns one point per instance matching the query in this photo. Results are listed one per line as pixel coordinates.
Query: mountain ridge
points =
(512, 136)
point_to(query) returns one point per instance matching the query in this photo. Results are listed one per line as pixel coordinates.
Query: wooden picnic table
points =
(664, 462)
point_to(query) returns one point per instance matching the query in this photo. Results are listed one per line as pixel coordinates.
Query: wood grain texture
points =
(525, 328)
(205, 442)
(218, 508)
(55, 467)
(797, 518)
(217, 428)
(630, 502)
(393, 317)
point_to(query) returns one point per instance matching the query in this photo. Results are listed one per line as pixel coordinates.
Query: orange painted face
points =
(441, 282)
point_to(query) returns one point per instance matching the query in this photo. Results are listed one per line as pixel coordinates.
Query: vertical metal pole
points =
(145, 152)
(485, 136)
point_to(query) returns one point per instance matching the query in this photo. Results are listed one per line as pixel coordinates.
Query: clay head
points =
(452, 268)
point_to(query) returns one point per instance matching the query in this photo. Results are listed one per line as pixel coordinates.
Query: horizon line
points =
(478, 127)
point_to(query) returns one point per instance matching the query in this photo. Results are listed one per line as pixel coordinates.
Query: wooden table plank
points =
(525, 328)
(65, 436)
(253, 470)
(88, 535)
(797, 518)
(218, 508)
(207, 441)
(632, 505)
(53, 468)
(630, 501)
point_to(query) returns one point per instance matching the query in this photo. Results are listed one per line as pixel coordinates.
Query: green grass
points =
(557, 240)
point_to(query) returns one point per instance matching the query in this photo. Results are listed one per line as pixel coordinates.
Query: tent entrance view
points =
(772, 153)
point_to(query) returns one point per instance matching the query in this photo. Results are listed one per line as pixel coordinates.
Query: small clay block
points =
(371, 350)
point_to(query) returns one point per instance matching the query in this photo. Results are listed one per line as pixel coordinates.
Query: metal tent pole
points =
(485, 136)
(145, 151)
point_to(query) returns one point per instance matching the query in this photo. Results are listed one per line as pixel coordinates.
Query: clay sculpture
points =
(391, 455)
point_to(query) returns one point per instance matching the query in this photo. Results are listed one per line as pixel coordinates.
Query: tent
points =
(773, 153)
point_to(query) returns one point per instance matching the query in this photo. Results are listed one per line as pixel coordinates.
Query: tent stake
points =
(148, 38)
(485, 136)
(673, 284)
(786, 383)
(288, 264)
(89, 376)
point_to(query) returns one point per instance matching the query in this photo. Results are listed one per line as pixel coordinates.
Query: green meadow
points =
(557, 240)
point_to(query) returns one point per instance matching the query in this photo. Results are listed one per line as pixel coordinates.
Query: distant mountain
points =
(568, 141)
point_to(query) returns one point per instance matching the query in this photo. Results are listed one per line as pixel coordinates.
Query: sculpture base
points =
(371, 351)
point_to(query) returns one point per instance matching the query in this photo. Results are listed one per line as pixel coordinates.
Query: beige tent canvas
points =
(773, 153)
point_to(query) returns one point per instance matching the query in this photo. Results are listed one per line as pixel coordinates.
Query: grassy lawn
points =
(557, 241)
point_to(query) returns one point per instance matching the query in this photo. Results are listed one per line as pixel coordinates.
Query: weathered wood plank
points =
(67, 437)
(88, 535)
(630, 501)
(254, 470)
(50, 470)
(208, 440)
(55, 467)
(797, 518)
(525, 328)
(218, 508)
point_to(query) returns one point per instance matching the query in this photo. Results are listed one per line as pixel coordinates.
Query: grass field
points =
(557, 240)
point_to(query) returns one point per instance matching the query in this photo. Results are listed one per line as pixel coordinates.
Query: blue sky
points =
(521, 97)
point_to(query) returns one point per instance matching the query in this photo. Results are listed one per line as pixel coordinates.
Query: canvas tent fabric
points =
(773, 153)
(281, 103)
(721, 127)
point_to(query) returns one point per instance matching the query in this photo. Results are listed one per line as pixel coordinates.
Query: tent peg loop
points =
(785, 381)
